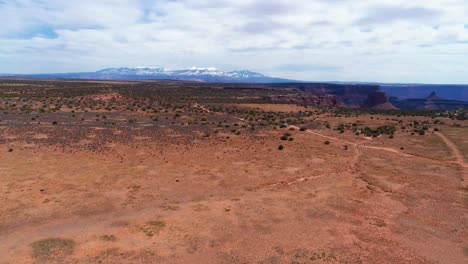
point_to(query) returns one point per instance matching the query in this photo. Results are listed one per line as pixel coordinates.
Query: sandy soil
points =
(234, 201)
(170, 173)
(275, 107)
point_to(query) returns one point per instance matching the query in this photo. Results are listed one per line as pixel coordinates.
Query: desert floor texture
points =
(109, 176)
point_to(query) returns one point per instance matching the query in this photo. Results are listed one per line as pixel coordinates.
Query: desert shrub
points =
(381, 130)
(51, 249)
(327, 142)
(280, 147)
(110, 238)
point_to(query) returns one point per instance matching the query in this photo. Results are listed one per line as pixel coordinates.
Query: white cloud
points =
(368, 40)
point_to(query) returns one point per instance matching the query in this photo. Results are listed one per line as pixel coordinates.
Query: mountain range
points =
(155, 73)
(398, 91)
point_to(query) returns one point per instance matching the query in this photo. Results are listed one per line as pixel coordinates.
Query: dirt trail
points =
(454, 149)
(396, 151)
(450, 144)
(361, 144)
(458, 155)
(209, 111)
(325, 136)
(350, 169)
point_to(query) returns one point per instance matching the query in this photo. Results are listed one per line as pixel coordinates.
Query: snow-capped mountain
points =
(157, 73)
(135, 71)
(194, 73)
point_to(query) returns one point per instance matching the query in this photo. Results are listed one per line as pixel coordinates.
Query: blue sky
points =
(318, 40)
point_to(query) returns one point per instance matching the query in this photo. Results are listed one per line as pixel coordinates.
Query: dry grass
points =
(52, 249)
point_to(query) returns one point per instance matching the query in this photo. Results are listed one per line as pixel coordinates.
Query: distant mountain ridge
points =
(156, 73)
(353, 93)
(431, 102)
(412, 91)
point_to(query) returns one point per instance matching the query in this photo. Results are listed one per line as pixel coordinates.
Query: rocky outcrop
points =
(308, 99)
(350, 94)
(413, 91)
(433, 96)
(378, 100)
(432, 102)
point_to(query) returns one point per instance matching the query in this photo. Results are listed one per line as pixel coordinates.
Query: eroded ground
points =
(114, 175)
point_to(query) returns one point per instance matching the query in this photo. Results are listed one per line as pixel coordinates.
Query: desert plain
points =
(170, 172)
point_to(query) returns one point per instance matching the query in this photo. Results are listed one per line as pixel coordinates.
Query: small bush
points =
(51, 249)
(109, 238)
(327, 142)
(280, 147)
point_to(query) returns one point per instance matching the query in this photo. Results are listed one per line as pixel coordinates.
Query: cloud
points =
(263, 27)
(390, 14)
(309, 68)
(42, 31)
(265, 8)
(394, 40)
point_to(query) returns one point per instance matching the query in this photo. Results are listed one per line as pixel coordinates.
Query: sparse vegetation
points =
(157, 149)
(152, 228)
(52, 249)
(108, 238)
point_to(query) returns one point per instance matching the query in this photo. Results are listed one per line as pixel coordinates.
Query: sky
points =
(423, 41)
